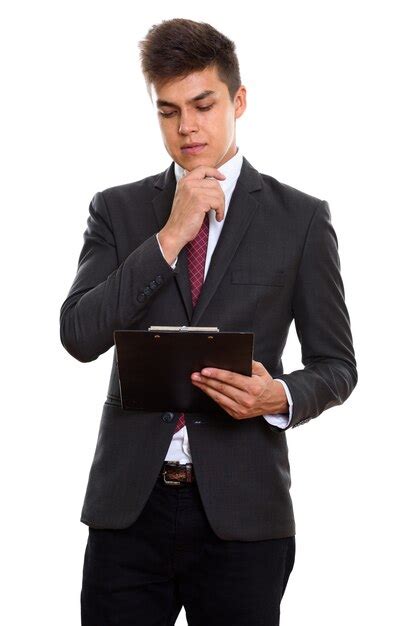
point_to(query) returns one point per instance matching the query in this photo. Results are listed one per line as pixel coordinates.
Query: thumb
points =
(258, 368)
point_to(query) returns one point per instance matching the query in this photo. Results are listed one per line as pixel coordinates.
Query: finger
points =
(232, 378)
(201, 171)
(215, 202)
(226, 402)
(213, 194)
(204, 183)
(240, 397)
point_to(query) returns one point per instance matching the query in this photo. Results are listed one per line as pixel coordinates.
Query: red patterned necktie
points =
(196, 258)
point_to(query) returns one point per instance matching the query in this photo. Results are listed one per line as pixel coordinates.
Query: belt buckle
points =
(171, 482)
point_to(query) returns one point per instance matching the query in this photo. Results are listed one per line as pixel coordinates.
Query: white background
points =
(332, 111)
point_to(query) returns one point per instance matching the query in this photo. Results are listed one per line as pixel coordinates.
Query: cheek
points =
(222, 124)
(168, 134)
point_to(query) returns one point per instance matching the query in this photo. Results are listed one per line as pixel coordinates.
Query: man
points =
(190, 509)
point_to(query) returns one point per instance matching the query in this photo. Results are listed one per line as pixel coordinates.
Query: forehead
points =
(182, 91)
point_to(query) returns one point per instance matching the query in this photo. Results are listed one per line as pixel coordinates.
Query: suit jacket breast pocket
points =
(256, 276)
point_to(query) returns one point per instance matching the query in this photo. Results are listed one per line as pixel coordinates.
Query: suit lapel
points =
(241, 211)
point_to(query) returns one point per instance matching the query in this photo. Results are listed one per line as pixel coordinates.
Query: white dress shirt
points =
(179, 449)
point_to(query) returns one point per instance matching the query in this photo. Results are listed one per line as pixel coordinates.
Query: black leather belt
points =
(176, 473)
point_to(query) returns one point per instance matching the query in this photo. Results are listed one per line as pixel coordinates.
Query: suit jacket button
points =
(141, 297)
(168, 416)
(153, 284)
(159, 279)
(147, 291)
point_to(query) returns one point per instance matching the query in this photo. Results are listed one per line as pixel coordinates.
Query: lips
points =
(193, 148)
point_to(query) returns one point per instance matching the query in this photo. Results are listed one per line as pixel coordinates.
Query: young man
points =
(190, 509)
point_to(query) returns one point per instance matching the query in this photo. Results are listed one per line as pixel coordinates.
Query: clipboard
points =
(155, 365)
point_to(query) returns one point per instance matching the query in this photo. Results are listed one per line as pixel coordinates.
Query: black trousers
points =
(169, 558)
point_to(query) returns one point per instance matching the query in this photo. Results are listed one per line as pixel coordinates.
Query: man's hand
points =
(243, 396)
(196, 193)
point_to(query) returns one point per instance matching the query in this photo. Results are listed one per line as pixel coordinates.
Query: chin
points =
(191, 162)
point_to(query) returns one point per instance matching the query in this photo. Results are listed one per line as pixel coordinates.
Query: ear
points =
(240, 101)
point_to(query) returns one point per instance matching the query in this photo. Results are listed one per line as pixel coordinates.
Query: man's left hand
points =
(243, 396)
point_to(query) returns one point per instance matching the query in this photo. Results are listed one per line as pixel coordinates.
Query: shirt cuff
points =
(173, 264)
(281, 419)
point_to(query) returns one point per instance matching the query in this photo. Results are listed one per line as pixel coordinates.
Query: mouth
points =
(193, 148)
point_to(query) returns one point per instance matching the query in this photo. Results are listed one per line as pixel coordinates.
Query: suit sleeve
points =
(322, 325)
(107, 295)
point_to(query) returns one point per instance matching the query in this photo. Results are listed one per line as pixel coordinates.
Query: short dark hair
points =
(175, 48)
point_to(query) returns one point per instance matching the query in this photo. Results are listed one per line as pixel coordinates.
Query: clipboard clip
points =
(206, 329)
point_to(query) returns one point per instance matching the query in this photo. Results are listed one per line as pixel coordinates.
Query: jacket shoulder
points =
(291, 197)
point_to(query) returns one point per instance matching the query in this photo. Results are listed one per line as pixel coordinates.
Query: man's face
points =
(198, 110)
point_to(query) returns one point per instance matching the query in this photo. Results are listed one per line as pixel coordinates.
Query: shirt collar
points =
(231, 169)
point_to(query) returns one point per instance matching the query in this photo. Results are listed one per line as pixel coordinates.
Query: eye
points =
(207, 108)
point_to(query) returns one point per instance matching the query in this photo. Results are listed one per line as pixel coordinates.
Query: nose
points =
(188, 124)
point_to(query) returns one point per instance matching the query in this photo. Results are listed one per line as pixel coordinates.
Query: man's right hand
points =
(196, 193)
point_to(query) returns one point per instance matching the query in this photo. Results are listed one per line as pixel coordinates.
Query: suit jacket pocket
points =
(257, 276)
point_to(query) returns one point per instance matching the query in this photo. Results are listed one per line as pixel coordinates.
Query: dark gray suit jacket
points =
(276, 260)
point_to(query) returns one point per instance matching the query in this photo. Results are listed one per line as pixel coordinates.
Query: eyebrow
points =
(200, 96)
